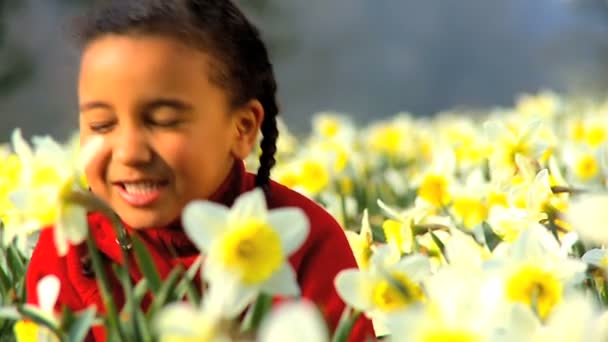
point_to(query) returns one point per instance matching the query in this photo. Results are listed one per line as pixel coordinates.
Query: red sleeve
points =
(328, 254)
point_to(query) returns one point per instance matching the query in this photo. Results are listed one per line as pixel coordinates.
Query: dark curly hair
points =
(241, 62)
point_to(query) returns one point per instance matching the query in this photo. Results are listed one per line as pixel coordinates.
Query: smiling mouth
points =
(141, 193)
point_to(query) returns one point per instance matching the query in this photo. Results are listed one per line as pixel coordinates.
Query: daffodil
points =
(362, 243)
(185, 322)
(588, 216)
(49, 175)
(388, 286)
(459, 308)
(294, 321)
(47, 291)
(536, 272)
(247, 247)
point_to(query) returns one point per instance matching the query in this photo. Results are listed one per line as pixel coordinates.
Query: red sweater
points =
(316, 263)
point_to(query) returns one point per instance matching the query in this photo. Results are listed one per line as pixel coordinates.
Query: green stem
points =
(346, 324)
(104, 289)
(257, 313)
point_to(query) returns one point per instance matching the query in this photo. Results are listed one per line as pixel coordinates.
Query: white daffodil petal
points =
(249, 205)
(73, 220)
(296, 322)
(417, 267)
(595, 257)
(21, 199)
(282, 282)
(48, 292)
(354, 288)
(292, 226)
(203, 222)
(21, 147)
(89, 150)
(60, 239)
(226, 297)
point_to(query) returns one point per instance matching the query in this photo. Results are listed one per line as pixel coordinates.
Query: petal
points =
(226, 297)
(292, 226)
(594, 257)
(60, 239)
(282, 282)
(73, 221)
(296, 322)
(21, 147)
(89, 150)
(176, 319)
(354, 287)
(48, 291)
(203, 222)
(249, 205)
(416, 266)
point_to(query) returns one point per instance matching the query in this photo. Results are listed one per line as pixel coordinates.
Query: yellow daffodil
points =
(246, 247)
(362, 243)
(49, 174)
(389, 285)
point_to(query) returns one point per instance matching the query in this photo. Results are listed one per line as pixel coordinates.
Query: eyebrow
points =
(166, 102)
(148, 106)
(94, 105)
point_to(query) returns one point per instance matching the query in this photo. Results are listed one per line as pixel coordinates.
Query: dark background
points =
(368, 58)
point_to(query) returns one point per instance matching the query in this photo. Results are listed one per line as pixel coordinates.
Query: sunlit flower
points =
(184, 322)
(361, 243)
(294, 321)
(388, 286)
(588, 216)
(536, 271)
(49, 175)
(247, 247)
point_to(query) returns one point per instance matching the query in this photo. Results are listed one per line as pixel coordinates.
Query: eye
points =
(163, 117)
(101, 127)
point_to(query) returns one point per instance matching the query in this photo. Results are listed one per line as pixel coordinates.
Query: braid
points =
(270, 133)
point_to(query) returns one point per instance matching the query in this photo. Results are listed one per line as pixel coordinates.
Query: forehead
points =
(150, 63)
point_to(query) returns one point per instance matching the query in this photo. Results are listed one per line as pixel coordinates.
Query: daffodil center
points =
(253, 249)
(396, 292)
(449, 335)
(535, 287)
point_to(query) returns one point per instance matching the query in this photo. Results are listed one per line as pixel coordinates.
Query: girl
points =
(179, 90)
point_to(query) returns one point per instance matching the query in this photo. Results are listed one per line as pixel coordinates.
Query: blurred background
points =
(368, 58)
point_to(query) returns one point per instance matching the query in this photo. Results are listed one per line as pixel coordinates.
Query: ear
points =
(247, 122)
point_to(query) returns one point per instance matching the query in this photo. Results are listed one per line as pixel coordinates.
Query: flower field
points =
(485, 226)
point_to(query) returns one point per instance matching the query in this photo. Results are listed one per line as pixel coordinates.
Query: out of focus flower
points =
(294, 321)
(246, 247)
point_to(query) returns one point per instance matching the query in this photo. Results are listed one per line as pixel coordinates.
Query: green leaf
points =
(257, 313)
(15, 263)
(166, 292)
(5, 284)
(146, 266)
(186, 285)
(140, 290)
(82, 325)
(492, 240)
(346, 324)
(438, 243)
(39, 317)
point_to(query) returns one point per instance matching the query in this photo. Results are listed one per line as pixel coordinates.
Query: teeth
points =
(141, 187)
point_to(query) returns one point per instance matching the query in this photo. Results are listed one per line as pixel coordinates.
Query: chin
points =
(144, 220)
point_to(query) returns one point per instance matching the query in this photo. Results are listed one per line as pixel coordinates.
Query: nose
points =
(131, 147)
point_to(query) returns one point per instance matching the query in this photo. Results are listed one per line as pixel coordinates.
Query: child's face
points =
(170, 135)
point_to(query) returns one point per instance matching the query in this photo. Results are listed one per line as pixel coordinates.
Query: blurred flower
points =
(49, 175)
(294, 321)
(246, 247)
(389, 285)
(588, 216)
